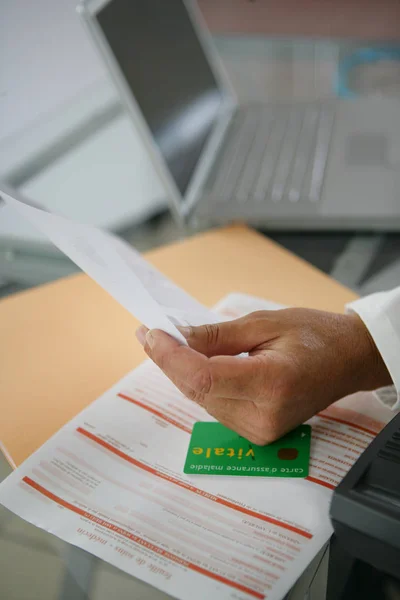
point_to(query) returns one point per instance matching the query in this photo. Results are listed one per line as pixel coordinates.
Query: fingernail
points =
(141, 334)
(150, 339)
(185, 331)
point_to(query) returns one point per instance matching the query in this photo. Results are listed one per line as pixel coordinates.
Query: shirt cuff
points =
(387, 341)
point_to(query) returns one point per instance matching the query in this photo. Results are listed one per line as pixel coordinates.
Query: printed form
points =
(111, 481)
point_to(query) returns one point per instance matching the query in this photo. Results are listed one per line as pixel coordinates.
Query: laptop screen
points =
(164, 65)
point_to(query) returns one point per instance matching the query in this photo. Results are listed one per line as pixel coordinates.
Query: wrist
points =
(368, 369)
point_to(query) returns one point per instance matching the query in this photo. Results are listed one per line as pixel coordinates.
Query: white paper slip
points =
(111, 481)
(119, 269)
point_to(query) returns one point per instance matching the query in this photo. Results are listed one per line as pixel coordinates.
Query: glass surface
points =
(160, 56)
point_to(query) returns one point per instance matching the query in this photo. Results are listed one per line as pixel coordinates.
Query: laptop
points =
(309, 165)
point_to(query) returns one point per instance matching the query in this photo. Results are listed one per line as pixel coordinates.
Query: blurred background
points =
(69, 145)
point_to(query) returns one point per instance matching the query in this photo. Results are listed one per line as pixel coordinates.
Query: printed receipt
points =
(111, 481)
(119, 269)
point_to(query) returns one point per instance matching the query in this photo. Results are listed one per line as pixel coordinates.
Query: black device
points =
(365, 513)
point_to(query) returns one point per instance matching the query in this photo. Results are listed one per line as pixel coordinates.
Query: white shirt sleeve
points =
(381, 314)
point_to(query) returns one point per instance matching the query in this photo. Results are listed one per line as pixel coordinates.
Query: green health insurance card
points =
(216, 450)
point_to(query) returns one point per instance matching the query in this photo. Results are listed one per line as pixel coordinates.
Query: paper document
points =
(112, 482)
(119, 269)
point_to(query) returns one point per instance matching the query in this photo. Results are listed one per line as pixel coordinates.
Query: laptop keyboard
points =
(274, 154)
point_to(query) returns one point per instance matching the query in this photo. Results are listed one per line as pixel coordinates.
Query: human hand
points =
(299, 362)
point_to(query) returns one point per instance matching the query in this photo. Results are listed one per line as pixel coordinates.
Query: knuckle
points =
(259, 314)
(258, 318)
(256, 321)
(260, 438)
(201, 384)
(268, 430)
(212, 334)
(256, 439)
(259, 434)
(275, 428)
(194, 396)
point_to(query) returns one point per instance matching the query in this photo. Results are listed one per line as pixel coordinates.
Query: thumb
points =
(230, 337)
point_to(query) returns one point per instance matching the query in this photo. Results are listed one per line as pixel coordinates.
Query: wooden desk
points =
(63, 344)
